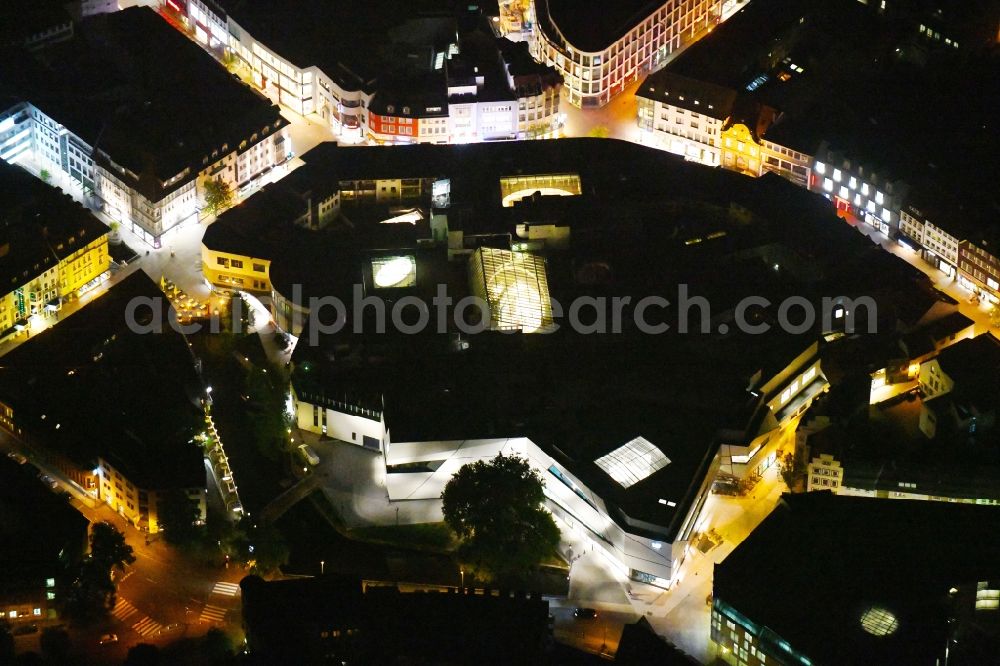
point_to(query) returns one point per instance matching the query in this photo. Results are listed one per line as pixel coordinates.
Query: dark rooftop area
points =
(812, 569)
(592, 25)
(90, 386)
(140, 111)
(303, 621)
(39, 226)
(39, 530)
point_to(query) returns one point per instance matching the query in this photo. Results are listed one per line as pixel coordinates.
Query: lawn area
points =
(423, 536)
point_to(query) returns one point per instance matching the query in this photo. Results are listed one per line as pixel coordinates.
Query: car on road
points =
(170, 628)
(49, 481)
(14, 455)
(109, 639)
(585, 613)
(309, 455)
(25, 629)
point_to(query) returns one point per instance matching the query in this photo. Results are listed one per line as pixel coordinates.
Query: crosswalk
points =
(212, 614)
(147, 627)
(226, 589)
(123, 610)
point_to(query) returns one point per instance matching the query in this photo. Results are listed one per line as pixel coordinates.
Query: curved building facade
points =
(600, 48)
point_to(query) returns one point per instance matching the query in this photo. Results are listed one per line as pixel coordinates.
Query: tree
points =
(45, 175)
(266, 547)
(792, 471)
(218, 195)
(108, 548)
(143, 654)
(216, 647)
(496, 508)
(6, 643)
(55, 645)
(177, 514)
(267, 389)
(599, 132)
(87, 590)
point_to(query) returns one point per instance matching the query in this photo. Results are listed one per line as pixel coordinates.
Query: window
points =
(237, 263)
(258, 268)
(837, 175)
(222, 261)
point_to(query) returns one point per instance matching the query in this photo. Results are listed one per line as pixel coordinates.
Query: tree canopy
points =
(88, 591)
(177, 514)
(496, 508)
(218, 195)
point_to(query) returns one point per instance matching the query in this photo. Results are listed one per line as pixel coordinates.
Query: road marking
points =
(213, 614)
(147, 626)
(123, 610)
(226, 589)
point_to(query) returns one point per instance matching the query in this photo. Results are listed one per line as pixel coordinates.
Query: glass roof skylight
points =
(633, 462)
(879, 622)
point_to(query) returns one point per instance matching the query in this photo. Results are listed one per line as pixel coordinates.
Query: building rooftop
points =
(40, 530)
(39, 226)
(643, 223)
(90, 386)
(139, 111)
(32, 17)
(850, 580)
(291, 619)
(974, 366)
(591, 25)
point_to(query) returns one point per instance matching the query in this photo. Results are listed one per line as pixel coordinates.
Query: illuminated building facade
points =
(125, 439)
(471, 88)
(858, 189)
(141, 163)
(51, 251)
(599, 49)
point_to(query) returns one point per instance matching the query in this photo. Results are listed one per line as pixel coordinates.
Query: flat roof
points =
(89, 386)
(852, 555)
(592, 25)
(40, 226)
(141, 110)
(40, 529)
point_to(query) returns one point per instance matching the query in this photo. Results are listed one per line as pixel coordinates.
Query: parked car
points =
(25, 629)
(109, 639)
(308, 453)
(49, 481)
(585, 613)
(14, 455)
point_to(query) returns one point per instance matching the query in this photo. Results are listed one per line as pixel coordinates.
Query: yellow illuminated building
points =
(229, 270)
(740, 150)
(63, 268)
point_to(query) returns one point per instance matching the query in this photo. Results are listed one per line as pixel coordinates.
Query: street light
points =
(322, 567)
(462, 571)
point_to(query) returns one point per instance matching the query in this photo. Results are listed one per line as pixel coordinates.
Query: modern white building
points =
(608, 502)
(600, 48)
